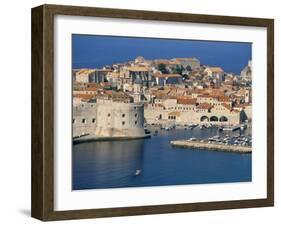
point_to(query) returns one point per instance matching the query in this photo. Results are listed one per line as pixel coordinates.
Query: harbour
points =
(152, 117)
(155, 162)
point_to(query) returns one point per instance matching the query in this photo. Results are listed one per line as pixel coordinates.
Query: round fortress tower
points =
(119, 119)
(108, 119)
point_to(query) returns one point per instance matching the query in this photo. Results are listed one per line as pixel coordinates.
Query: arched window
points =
(204, 119)
(214, 119)
(223, 119)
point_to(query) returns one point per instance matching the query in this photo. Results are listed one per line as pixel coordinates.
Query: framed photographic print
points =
(141, 112)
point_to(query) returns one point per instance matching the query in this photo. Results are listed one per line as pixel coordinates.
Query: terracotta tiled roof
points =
(187, 101)
(95, 89)
(105, 84)
(223, 99)
(84, 96)
(167, 75)
(205, 96)
(204, 106)
(227, 106)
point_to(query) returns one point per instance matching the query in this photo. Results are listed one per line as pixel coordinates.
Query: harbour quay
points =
(197, 145)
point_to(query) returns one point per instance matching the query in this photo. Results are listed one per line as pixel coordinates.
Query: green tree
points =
(178, 70)
(162, 68)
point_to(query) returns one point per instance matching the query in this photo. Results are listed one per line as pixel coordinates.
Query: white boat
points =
(231, 128)
(138, 172)
(192, 126)
(167, 128)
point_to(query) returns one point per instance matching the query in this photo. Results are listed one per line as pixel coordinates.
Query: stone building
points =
(216, 73)
(193, 63)
(246, 73)
(98, 75)
(213, 99)
(130, 74)
(243, 95)
(166, 79)
(91, 75)
(114, 79)
(83, 75)
(185, 111)
(108, 118)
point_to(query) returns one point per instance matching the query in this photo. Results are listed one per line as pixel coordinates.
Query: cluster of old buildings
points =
(117, 100)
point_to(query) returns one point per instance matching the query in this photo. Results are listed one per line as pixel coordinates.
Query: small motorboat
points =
(192, 126)
(167, 128)
(138, 172)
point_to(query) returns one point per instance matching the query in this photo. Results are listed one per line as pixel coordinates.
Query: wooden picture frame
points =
(43, 112)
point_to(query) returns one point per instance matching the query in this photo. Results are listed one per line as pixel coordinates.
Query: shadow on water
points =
(106, 163)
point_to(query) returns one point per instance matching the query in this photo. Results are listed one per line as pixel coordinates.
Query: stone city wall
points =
(106, 118)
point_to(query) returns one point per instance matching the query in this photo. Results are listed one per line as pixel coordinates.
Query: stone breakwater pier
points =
(213, 147)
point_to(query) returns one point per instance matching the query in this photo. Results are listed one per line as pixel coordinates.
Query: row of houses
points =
(139, 74)
(182, 110)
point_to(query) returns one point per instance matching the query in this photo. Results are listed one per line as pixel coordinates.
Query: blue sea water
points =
(112, 164)
(97, 51)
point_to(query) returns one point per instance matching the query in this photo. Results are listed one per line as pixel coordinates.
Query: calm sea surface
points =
(112, 164)
(93, 51)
